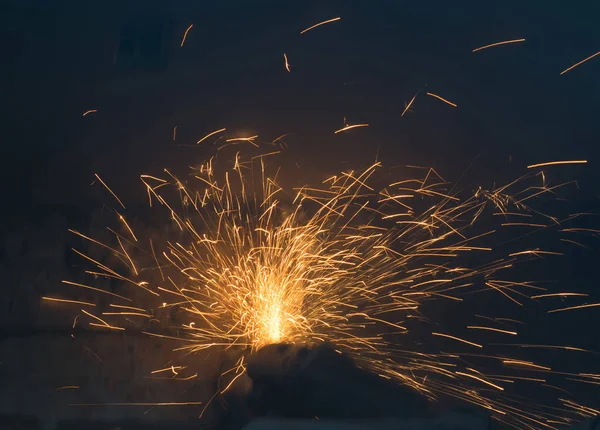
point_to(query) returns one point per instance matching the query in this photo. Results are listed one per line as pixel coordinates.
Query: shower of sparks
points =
(506, 42)
(350, 127)
(553, 163)
(87, 112)
(407, 107)
(185, 34)
(287, 64)
(442, 99)
(320, 23)
(580, 63)
(253, 263)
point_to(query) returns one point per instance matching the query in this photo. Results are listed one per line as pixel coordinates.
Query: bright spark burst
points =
(344, 262)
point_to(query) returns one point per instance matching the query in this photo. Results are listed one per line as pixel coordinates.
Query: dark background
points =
(123, 58)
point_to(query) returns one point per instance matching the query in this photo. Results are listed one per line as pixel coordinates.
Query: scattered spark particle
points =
(570, 308)
(75, 302)
(506, 42)
(540, 296)
(109, 190)
(185, 34)
(287, 65)
(100, 290)
(579, 63)
(211, 134)
(525, 364)
(89, 112)
(514, 333)
(410, 103)
(319, 24)
(442, 99)
(552, 163)
(349, 127)
(457, 339)
(481, 380)
(244, 139)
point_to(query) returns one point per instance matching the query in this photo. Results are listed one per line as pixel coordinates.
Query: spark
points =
(571, 308)
(75, 302)
(350, 127)
(244, 139)
(287, 65)
(442, 99)
(514, 333)
(185, 34)
(87, 112)
(506, 42)
(211, 134)
(579, 63)
(553, 163)
(320, 23)
(481, 380)
(109, 190)
(409, 104)
(458, 339)
(255, 263)
(540, 296)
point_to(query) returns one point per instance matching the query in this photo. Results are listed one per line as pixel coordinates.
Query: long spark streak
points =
(409, 104)
(553, 163)
(506, 42)
(350, 127)
(579, 63)
(442, 99)
(185, 34)
(109, 190)
(320, 23)
(211, 134)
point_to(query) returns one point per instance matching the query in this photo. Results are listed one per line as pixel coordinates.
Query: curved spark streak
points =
(506, 42)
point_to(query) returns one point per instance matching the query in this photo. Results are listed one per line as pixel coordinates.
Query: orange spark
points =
(458, 339)
(506, 42)
(287, 65)
(75, 302)
(349, 127)
(89, 112)
(442, 99)
(410, 104)
(185, 34)
(109, 190)
(514, 333)
(526, 364)
(570, 308)
(552, 163)
(581, 62)
(320, 23)
(244, 139)
(540, 296)
(211, 134)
